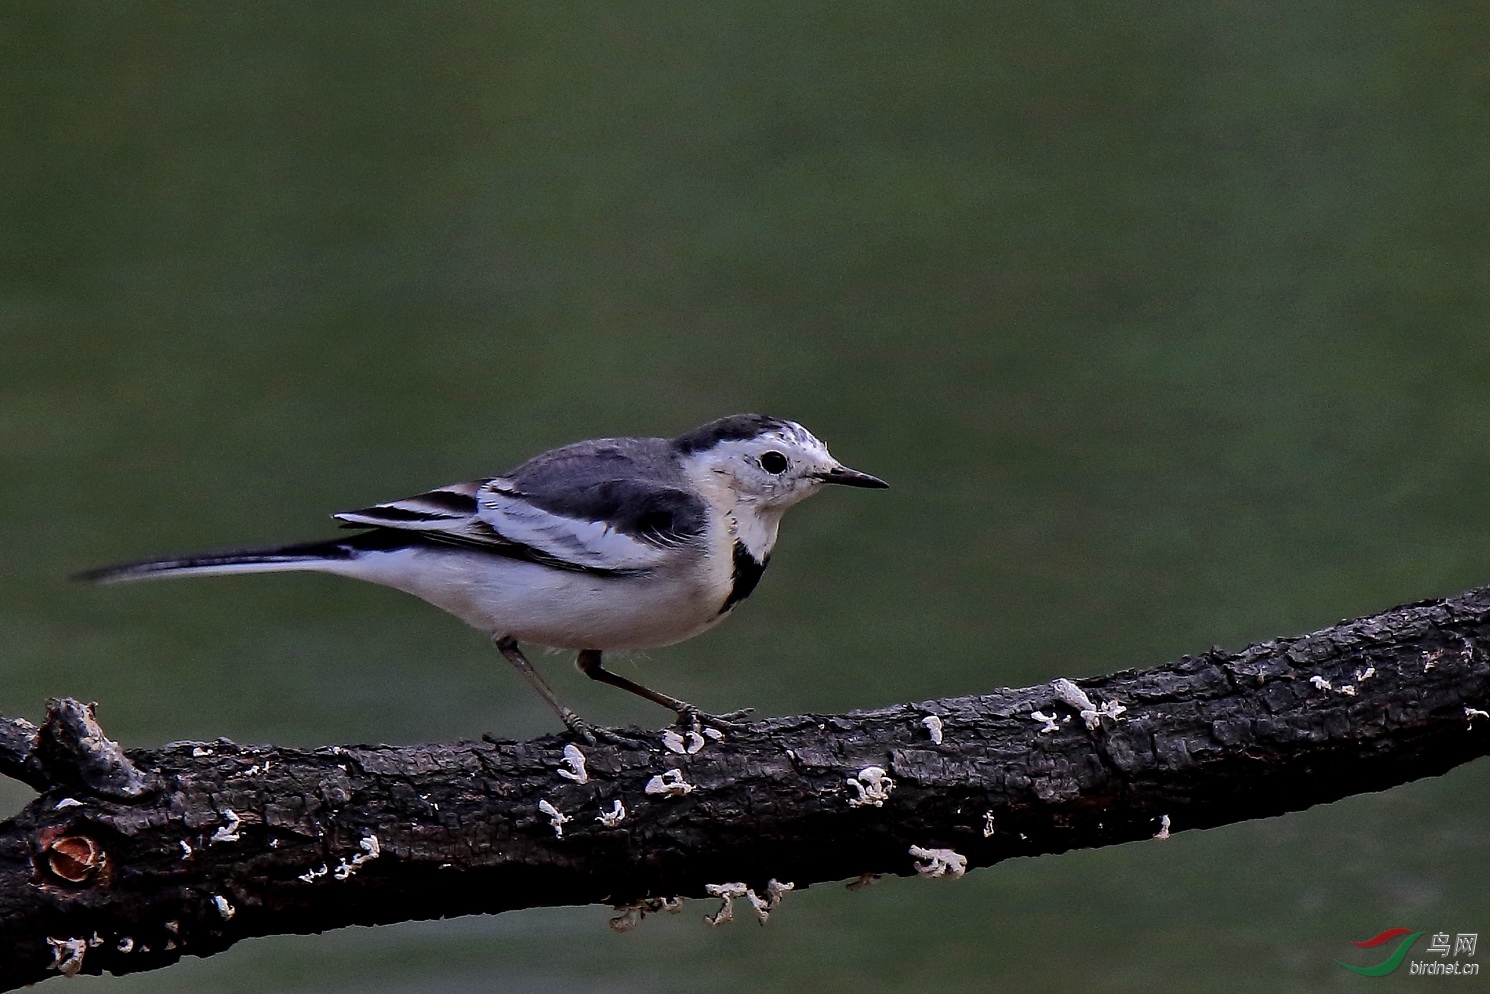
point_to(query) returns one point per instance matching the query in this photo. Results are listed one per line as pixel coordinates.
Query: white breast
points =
(564, 609)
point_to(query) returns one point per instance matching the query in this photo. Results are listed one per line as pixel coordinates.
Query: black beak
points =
(853, 478)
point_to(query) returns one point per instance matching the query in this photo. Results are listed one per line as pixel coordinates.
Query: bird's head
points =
(765, 461)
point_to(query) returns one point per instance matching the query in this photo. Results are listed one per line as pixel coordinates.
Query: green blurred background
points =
(1166, 321)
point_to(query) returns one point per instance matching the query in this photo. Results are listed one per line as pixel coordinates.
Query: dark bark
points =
(127, 863)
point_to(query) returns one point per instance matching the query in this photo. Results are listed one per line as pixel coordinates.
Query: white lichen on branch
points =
(871, 787)
(371, 850)
(938, 862)
(556, 818)
(574, 765)
(669, 784)
(1091, 714)
(67, 955)
(762, 906)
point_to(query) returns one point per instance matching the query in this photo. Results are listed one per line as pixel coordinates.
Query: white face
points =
(779, 468)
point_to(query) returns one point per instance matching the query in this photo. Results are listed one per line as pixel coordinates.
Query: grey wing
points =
(599, 516)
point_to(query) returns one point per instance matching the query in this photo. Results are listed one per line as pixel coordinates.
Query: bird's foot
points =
(694, 720)
(578, 727)
(596, 735)
(627, 738)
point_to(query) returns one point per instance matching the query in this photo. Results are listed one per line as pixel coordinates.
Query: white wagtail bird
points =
(612, 543)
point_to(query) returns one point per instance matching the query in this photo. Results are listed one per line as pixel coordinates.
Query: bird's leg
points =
(507, 646)
(588, 662)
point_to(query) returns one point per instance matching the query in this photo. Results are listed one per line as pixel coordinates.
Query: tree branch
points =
(128, 862)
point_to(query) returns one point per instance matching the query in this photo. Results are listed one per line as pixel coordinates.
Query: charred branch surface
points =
(127, 862)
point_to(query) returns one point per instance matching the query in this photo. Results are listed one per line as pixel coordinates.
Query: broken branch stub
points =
(75, 753)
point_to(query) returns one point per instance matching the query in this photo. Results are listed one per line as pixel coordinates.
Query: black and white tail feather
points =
(304, 556)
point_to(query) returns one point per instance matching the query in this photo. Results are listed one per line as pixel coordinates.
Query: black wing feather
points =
(635, 485)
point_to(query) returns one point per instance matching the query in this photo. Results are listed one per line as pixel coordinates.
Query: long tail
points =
(307, 556)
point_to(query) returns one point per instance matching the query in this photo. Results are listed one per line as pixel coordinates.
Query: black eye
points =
(773, 462)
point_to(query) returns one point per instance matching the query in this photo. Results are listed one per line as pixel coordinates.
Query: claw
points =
(579, 727)
(622, 737)
(693, 719)
(596, 735)
(733, 716)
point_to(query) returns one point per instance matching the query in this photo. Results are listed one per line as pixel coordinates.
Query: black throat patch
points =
(746, 575)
